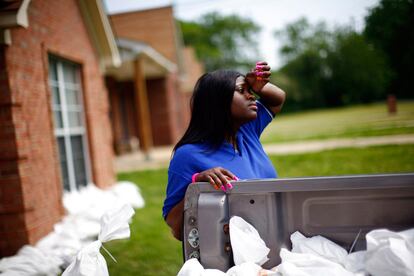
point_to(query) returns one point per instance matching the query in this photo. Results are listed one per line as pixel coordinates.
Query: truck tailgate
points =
(334, 207)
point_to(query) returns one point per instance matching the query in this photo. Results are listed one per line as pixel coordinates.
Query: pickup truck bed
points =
(334, 207)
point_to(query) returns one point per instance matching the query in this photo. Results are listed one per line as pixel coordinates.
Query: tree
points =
(299, 37)
(331, 67)
(222, 41)
(389, 26)
(359, 73)
(305, 49)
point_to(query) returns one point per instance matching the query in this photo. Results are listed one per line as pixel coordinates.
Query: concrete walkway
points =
(160, 156)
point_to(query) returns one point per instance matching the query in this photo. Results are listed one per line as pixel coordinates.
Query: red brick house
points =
(55, 131)
(193, 70)
(150, 91)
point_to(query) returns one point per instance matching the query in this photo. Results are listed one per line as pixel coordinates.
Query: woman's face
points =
(243, 105)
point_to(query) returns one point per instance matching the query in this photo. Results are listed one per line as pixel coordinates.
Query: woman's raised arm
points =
(270, 95)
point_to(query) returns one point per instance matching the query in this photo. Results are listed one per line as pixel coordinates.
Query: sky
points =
(270, 15)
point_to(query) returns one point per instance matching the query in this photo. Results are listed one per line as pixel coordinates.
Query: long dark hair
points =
(211, 120)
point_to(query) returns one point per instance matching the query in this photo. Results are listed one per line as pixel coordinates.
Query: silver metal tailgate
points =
(334, 207)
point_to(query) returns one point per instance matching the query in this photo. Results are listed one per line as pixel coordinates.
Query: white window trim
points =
(67, 132)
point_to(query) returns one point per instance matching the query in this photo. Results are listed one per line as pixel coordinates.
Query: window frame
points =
(66, 131)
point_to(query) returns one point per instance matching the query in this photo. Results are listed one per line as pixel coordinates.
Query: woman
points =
(222, 139)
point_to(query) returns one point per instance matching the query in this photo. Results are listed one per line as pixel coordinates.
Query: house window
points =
(69, 123)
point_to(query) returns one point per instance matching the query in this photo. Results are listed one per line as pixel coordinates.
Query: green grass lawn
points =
(152, 250)
(364, 120)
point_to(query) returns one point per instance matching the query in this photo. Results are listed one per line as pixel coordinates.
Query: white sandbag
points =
(308, 264)
(89, 261)
(390, 253)
(30, 261)
(192, 267)
(355, 262)
(129, 192)
(91, 202)
(213, 272)
(246, 243)
(61, 246)
(81, 226)
(318, 245)
(249, 269)
(115, 224)
(87, 206)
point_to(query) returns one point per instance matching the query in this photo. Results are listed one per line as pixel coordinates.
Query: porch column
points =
(115, 114)
(141, 108)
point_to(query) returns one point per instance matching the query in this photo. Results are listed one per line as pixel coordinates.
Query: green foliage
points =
(389, 26)
(357, 72)
(300, 37)
(330, 67)
(222, 41)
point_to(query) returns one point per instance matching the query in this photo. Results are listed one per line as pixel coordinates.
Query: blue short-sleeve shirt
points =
(249, 162)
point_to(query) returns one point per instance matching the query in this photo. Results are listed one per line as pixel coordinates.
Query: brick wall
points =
(31, 189)
(186, 113)
(193, 70)
(169, 110)
(11, 203)
(155, 27)
(174, 106)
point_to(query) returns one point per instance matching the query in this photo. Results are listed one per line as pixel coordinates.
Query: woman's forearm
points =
(175, 220)
(272, 96)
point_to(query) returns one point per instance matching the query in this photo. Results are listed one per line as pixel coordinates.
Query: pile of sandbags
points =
(388, 253)
(78, 228)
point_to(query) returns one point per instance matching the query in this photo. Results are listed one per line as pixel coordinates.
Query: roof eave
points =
(156, 65)
(15, 18)
(101, 33)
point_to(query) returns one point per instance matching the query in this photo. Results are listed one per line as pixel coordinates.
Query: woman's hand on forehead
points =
(259, 76)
